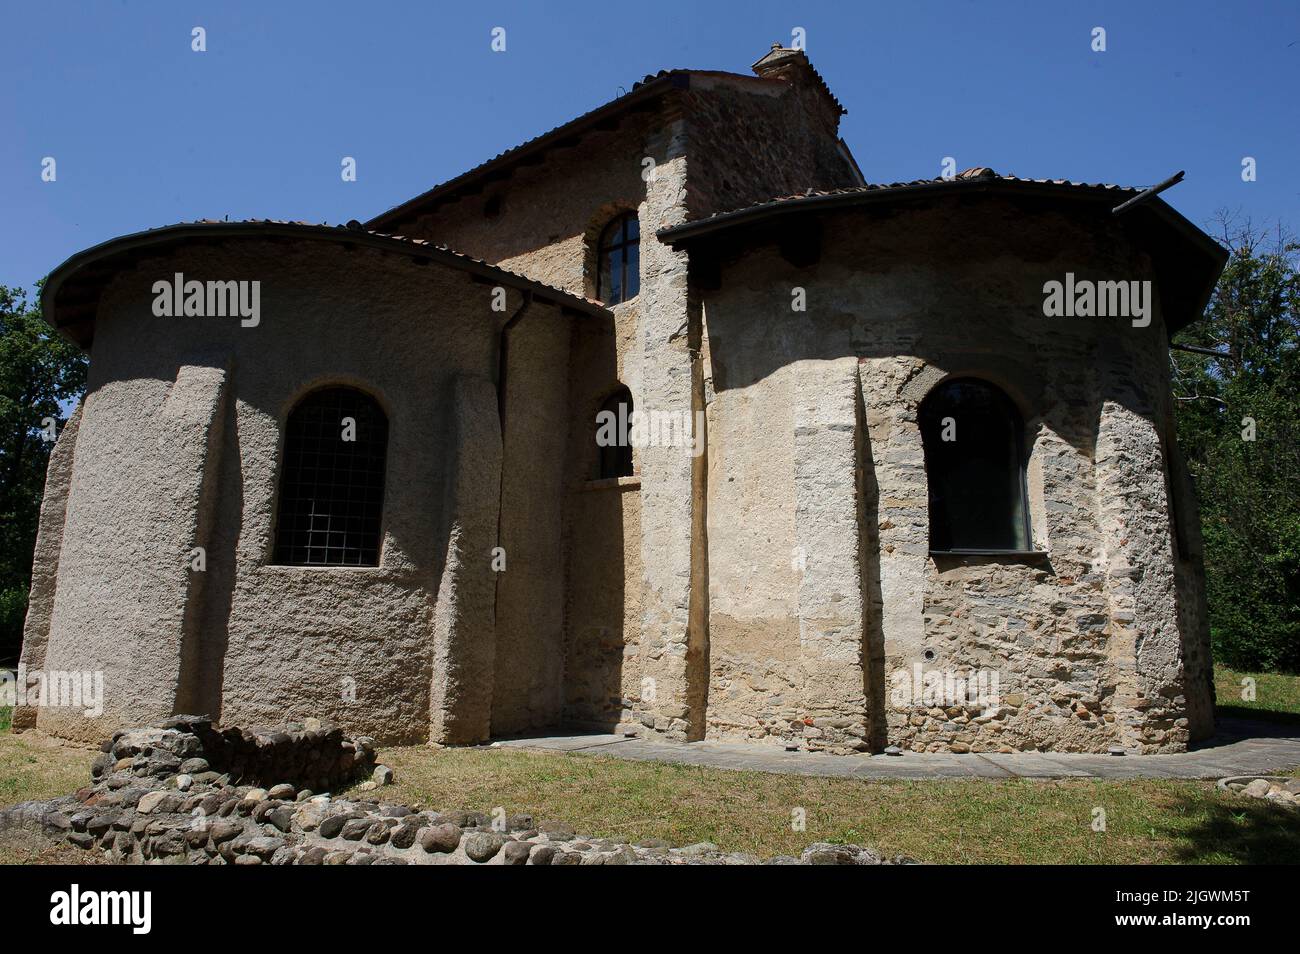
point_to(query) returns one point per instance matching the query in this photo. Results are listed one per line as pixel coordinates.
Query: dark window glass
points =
(613, 435)
(974, 461)
(332, 488)
(619, 260)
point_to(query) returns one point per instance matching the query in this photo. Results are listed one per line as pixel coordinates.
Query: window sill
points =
(613, 483)
(1009, 554)
(319, 567)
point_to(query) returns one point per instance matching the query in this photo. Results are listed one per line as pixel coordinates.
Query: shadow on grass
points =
(1245, 831)
(1256, 714)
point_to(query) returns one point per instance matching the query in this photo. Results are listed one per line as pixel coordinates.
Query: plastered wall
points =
(1085, 637)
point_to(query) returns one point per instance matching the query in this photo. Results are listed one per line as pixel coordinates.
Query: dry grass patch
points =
(35, 766)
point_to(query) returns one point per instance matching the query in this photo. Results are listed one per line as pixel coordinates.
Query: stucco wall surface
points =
(1084, 638)
(181, 435)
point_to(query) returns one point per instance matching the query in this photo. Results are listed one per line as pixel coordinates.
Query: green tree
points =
(1249, 489)
(41, 377)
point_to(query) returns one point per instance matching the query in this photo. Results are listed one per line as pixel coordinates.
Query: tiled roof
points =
(644, 90)
(978, 174)
(974, 176)
(355, 226)
(70, 294)
(1188, 261)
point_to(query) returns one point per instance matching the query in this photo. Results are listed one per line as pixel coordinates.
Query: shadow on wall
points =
(594, 666)
(602, 633)
(201, 683)
(872, 658)
(904, 287)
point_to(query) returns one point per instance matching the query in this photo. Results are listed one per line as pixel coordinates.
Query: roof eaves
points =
(352, 234)
(688, 231)
(1212, 255)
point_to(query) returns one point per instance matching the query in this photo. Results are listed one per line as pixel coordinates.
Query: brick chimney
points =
(779, 60)
(792, 66)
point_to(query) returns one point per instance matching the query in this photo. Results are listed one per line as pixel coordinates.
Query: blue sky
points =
(146, 132)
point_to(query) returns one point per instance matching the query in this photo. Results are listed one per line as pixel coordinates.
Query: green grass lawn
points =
(963, 821)
(1277, 696)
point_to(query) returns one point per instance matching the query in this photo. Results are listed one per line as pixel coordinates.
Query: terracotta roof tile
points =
(980, 173)
(355, 226)
(976, 175)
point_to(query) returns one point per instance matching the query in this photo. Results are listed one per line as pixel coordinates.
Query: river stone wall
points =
(189, 749)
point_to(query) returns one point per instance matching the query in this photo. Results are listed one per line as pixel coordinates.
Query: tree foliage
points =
(1249, 490)
(41, 378)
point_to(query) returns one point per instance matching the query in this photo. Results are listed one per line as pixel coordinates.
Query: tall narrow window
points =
(974, 462)
(613, 436)
(618, 258)
(332, 481)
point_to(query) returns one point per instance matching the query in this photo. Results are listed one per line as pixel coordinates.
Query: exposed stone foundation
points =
(187, 749)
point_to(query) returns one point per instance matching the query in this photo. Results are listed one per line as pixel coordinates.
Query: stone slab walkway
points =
(1240, 748)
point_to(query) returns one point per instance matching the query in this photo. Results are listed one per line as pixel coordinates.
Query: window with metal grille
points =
(618, 275)
(975, 467)
(332, 481)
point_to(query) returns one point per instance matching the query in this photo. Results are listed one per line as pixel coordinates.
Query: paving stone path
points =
(1240, 747)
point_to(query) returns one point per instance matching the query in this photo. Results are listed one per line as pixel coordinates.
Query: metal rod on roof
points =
(1210, 351)
(1143, 196)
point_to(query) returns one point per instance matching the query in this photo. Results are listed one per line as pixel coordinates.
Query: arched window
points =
(618, 260)
(332, 481)
(974, 462)
(613, 436)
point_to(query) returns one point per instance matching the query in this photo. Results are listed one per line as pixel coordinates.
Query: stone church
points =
(664, 422)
